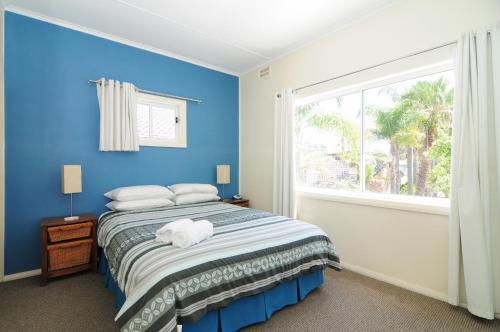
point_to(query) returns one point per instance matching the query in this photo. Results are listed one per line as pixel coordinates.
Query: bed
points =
(252, 253)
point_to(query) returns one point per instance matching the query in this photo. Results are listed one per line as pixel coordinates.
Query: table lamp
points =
(223, 176)
(71, 183)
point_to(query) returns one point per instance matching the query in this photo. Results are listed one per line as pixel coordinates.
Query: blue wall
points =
(52, 118)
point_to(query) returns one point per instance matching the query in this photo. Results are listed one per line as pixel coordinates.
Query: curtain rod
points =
(198, 101)
(373, 66)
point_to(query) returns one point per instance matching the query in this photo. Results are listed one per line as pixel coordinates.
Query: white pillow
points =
(195, 198)
(140, 204)
(133, 193)
(189, 188)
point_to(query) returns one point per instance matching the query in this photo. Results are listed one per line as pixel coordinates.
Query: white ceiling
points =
(231, 35)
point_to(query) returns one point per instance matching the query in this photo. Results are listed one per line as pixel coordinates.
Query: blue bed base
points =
(242, 312)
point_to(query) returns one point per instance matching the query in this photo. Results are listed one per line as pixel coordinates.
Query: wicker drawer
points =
(68, 254)
(68, 232)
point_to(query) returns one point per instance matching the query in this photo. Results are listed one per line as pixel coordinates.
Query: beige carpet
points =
(346, 302)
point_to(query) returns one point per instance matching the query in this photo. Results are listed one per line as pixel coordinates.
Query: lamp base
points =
(71, 218)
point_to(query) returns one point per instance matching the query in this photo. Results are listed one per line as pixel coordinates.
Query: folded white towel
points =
(165, 233)
(192, 234)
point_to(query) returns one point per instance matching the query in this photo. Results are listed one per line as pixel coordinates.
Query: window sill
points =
(439, 206)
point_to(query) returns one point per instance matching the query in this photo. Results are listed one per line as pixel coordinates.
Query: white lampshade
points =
(71, 179)
(223, 174)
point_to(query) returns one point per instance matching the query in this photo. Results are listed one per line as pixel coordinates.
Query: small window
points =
(161, 121)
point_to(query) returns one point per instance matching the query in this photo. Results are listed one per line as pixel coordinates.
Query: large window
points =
(161, 121)
(392, 138)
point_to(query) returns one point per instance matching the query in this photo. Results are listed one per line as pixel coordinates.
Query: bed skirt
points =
(242, 312)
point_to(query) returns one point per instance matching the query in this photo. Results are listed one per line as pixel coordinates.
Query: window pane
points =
(143, 120)
(408, 136)
(163, 122)
(328, 143)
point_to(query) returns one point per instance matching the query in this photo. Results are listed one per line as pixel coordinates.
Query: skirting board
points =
(396, 282)
(21, 275)
(403, 284)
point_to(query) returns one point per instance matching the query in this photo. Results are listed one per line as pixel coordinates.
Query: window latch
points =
(176, 119)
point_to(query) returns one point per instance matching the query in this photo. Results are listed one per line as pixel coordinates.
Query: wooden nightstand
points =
(68, 246)
(240, 202)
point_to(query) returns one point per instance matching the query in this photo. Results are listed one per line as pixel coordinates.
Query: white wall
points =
(407, 248)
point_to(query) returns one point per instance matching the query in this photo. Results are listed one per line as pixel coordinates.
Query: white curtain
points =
(284, 161)
(118, 116)
(475, 194)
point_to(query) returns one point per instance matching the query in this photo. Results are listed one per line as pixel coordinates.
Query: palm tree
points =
(389, 124)
(412, 124)
(302, 117)
(305, 116)
(346, 129)
(397, 125)
(408, 138)
(429, 105)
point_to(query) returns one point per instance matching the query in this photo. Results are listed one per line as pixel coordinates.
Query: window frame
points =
(181, 126)
(433, 205)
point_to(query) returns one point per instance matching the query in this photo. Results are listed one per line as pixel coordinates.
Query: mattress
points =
(251, 251)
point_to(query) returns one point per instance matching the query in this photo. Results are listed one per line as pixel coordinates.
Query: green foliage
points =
(318, 161)
(304, 112)
(404, 189)
(420, 112)
(389, 122)
(440, 175)
(346, 129)
(431, 99)
(420, 120)
(369, 172)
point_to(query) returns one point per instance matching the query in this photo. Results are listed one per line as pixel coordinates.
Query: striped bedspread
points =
(251, 251)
